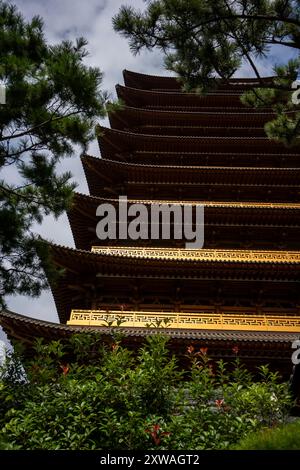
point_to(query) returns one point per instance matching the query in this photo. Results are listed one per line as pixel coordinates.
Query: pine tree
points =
(52, 101)
(204, 40)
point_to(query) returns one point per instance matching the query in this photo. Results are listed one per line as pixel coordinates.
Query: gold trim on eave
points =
(257, 256)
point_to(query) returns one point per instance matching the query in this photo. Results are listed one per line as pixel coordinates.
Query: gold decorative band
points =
(202, 255)
(198, 321)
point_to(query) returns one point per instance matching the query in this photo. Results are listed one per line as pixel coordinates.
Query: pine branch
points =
(233, 16)
(39, 126)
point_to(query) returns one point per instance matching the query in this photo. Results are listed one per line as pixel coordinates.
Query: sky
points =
(68, 19)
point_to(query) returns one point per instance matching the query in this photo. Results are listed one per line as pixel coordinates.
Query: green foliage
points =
(7, 446)
(53, 99)
(285, 437)
(204, 40)
(89, 394)
(284, 128)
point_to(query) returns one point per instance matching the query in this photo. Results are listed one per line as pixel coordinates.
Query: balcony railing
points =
(198, 321)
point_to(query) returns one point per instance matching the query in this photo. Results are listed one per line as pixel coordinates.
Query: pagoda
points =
(241, 290)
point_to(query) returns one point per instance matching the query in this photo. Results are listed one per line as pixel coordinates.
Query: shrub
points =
(85, 394)
(285, 437)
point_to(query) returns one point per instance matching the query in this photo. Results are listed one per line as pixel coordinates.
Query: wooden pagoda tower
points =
(242, 288)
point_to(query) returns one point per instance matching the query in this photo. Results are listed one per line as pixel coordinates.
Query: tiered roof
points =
(107, 177)
(152, 82)
(227, 223)
(166, 146)
(113, 142)
(275, 346)
(190, 123)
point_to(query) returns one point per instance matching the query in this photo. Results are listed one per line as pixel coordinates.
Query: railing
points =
(264, 256)
(198, 321)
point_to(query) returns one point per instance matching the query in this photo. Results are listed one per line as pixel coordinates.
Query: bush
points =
(85, 394)
(282, 438)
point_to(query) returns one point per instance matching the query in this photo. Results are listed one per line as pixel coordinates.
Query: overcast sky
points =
(68, 19)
